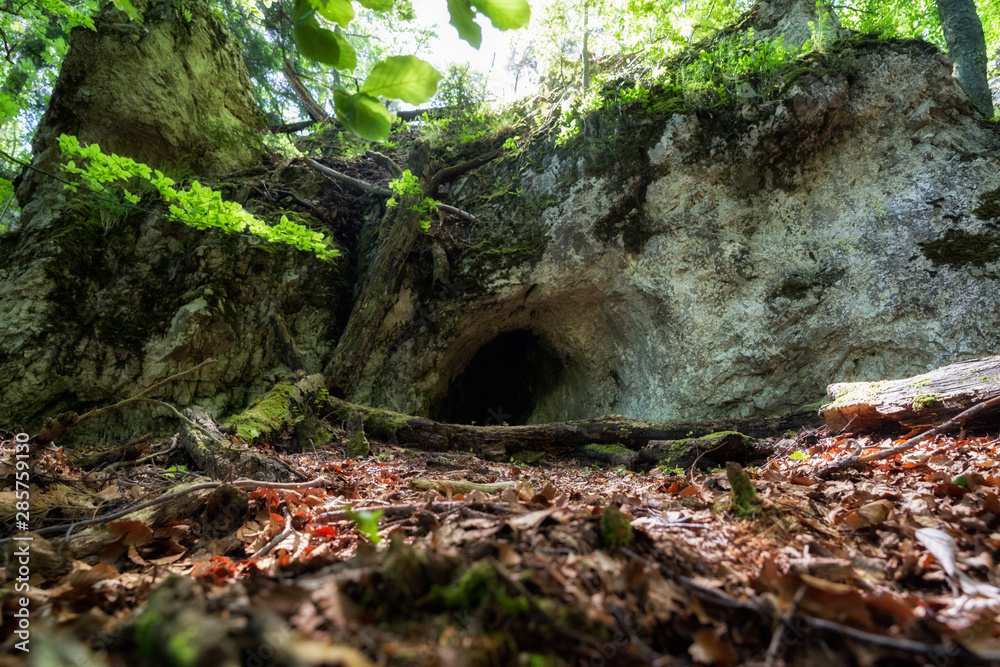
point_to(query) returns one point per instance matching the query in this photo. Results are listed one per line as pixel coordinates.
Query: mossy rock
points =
(267, 415)
(715, 448)
(615, 455)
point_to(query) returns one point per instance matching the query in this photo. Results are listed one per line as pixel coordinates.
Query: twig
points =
(454, 171)
(364, 185)
(465, 215)
(774, 648)
(54, 428)
(71, 527)
(289, 468)
(187, 421)
(497, 510)
(898, 449)
(385, 192)
(267, 548)
(172, 447)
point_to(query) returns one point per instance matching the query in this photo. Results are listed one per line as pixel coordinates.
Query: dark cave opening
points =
(502, 383)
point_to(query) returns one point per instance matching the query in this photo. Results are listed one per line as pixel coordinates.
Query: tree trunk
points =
(586, 51)
(380, 292)
(922, 399)
(963, 33)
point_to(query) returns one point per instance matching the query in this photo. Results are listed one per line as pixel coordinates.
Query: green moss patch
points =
(385, 425)
(989, 206)
(615, 455)
(924, 402)
(267, 415)
(958, 247)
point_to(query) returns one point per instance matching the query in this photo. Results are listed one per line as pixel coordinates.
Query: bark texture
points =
(963, 32)
(922, 399)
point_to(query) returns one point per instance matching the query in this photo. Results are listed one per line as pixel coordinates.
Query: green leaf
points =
(464, 20)
(317, 44)
(366, 522)
(407, 77)
(348, 56)
(505, 14)
(363, 115)
(339, 11)
(798, 456)
(377, 5)
(304, 13)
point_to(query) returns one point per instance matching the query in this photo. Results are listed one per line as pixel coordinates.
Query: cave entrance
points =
(503, 382)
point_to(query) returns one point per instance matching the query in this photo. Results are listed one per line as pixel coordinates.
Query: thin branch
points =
(454, 171)
(385, 192)
(54, 428)
(367, 187)
(189, 422)
(267, 548)
(456, 211)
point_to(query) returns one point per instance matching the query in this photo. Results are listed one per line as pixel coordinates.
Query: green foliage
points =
(366, 521)
(408, 186)
(199, 206)
(462, 90)
(823, 31)
(407, 77)
(363, 115)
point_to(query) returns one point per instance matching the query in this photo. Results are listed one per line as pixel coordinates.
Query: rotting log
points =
(915, 401)
(504, 441)
(212, 454)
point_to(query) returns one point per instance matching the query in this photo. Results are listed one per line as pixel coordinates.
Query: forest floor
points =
(565, 565)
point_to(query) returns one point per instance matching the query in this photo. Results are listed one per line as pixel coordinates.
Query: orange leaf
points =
(133, 533)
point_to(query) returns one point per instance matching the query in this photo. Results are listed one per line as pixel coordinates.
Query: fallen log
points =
(917, 401)
(503, 441)
(273, 416)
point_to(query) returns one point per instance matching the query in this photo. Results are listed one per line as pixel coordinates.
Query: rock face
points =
(171, 92)
(99, 302)
(847, 232)
(664, 266)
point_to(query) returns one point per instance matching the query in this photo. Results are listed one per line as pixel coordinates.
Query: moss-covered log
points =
(505, 441)
(921, 399)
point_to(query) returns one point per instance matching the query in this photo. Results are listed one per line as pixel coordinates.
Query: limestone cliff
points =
(733, 264)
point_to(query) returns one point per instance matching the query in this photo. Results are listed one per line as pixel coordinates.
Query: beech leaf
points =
(405, 77)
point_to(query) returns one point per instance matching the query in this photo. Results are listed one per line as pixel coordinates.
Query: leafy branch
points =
(199, 206)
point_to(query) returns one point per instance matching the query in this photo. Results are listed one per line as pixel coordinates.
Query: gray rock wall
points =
(739, 269)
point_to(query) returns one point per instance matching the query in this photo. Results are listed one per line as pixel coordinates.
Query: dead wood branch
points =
(385, 192)
(312, 107)
(203, 442)
(401, 511)
(386, 162)
(612, 429)
(55, 428)
(333, 173)
(448, 173)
